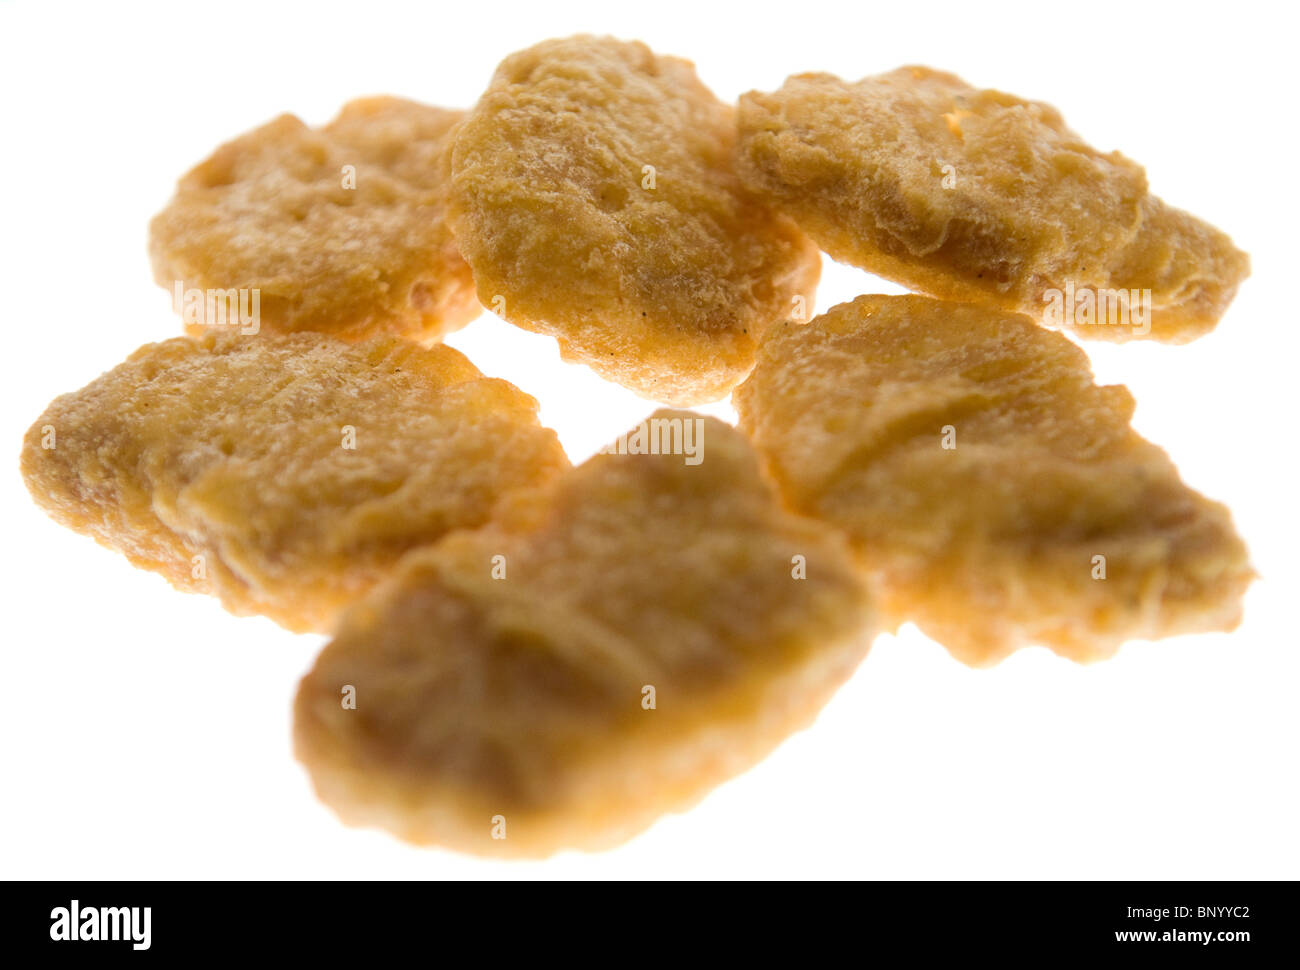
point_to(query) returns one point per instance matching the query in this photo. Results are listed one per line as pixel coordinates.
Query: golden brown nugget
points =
(979, 196)
(340, 230)
(594, 196)
(997, 495)
(401, 138)
(606, 650)
(284, 475)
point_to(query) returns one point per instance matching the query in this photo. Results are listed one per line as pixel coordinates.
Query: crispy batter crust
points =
(663, 287)
(979, 196)
(522, 696)
(270, 211)
(235, 450)
(989, 545)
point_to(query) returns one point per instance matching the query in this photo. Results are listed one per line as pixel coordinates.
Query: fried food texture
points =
(284, 475)
(978, 196)
(997, 496)
(594, 195)
(340, 230)
(606, 650)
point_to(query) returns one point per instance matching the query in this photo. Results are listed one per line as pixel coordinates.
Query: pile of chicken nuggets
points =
(528, 656)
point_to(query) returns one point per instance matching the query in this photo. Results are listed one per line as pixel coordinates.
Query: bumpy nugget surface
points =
(299, 468)
(606, 650)
(980, 473)
(593, 192)
(272, 212)
(979, 196)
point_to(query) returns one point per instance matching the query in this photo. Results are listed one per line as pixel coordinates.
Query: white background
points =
(146, 733)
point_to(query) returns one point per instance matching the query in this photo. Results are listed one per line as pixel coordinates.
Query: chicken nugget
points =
(594, 195)
(606, 650)
(979, 196)
(284, 475)
(997, 496)
(340, 230)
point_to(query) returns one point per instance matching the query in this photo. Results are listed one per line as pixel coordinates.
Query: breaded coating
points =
(285, 475)
(604, 651)
(997, 496)
(403, 139)
(340, 230)
(979, 196)
(594, 196)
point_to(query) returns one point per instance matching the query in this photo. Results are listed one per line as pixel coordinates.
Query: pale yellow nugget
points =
(285, 475)
(979, 196)
(997, 496)
(606, 650)
(340, 230)
(594, 195)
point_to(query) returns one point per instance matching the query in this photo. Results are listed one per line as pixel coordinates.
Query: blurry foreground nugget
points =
(997, 495)
(340, 230)
(594, 195)
(284, 475)
(608, 649)
(979, 196)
